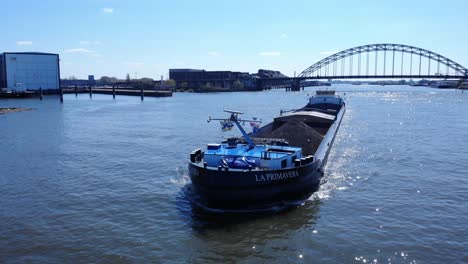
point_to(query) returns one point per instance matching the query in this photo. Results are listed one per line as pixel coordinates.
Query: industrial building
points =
(193, 78)
(200, 79)
(29, 71)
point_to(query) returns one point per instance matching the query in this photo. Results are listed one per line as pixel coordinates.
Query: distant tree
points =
(127, 78)
(107, 79)
(238, 85)
(146, 80)
(72, 77)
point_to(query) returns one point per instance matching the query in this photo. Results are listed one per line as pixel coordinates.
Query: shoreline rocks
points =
(7, 110)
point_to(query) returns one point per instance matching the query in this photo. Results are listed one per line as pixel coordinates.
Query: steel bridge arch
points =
(314, 70)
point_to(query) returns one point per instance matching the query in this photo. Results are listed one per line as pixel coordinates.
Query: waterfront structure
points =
(195, 78)
(464, 85)
(29, 71)
(269, 74)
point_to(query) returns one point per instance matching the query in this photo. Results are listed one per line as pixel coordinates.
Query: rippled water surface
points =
(106, 181)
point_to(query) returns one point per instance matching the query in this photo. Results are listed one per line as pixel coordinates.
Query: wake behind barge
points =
(281, 162)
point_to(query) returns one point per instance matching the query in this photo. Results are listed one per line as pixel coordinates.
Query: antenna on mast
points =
(235, 118)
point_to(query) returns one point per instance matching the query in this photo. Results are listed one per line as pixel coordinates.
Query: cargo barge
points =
(281, 163)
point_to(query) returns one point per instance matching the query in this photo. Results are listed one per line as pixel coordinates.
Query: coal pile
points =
(297, 133)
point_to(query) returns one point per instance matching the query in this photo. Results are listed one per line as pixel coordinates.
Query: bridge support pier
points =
(295, 85)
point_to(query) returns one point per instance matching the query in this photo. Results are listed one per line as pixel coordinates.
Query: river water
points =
(106, 181)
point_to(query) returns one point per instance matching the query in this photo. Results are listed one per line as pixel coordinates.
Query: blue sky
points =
(146, 38)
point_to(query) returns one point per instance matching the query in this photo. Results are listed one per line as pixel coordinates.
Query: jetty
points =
(110, 90)
(117, 91)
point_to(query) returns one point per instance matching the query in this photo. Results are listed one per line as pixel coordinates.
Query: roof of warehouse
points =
(31, 53)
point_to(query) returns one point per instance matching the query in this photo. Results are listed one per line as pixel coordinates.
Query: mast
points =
(235, 118)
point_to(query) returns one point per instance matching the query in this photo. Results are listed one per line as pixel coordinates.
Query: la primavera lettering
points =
(276, 176)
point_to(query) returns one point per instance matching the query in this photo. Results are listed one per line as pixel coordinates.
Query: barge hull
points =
(243, 189)
(283, 169)
(324, 148)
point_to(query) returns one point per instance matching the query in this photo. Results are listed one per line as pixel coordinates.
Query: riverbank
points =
(13, 110)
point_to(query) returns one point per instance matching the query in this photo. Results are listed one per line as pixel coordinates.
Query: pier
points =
(114, 91)
(117, 91)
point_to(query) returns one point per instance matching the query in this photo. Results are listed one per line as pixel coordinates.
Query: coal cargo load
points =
(296, 133)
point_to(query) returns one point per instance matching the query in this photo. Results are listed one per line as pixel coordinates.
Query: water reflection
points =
(293, 215)
(241, 236)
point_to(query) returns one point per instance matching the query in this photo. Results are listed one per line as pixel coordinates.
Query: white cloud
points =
(133, 63)
(79, 50)
(284, 35)
(328, 52)
(269, 53)
(87, 42)
(108, 10)
(214, 53)
(24, 43)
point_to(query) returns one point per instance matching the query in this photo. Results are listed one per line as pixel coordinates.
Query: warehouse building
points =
(29, 71)
(194, 78)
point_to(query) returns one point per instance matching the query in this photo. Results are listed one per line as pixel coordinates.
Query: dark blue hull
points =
(244, 189)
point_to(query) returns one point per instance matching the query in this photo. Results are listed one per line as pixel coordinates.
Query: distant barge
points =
(280, 163)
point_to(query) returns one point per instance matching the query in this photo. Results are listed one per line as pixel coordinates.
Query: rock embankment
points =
(13, 110)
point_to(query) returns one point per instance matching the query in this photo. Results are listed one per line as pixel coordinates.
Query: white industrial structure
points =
(29, 71)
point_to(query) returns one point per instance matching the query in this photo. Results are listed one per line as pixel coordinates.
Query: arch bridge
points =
(384, 61)
(378, 61)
